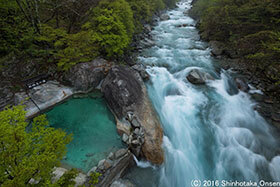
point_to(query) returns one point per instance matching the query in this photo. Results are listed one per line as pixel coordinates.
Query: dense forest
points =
(249, 28)
(58, 33)
(67, 32)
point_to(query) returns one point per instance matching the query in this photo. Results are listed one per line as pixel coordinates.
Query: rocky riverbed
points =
(267, 96)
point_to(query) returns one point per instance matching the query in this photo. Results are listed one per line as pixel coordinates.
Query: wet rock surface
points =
(42, 97)
(197, 76)
(267, 98)
(126, 95)
(86, 76)
(112, 168)
(164, 17)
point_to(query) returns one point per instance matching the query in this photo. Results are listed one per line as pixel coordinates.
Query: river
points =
(209, 132)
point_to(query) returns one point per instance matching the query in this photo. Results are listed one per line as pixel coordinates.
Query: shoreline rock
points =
(196, 76)
(88, 75)
(126, 95)
(43, 97)
(112, 168)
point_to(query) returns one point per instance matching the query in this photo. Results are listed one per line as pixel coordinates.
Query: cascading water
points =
(209, 133)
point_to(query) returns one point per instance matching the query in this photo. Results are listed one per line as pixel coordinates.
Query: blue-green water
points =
(93, 128)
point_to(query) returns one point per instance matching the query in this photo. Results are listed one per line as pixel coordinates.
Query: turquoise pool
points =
(93, 128)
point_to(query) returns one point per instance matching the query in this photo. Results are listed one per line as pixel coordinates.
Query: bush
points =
(28, 150)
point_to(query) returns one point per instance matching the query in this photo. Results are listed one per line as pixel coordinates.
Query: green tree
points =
(250, 28)
(15, 33)
(112, 26)
(28, 150)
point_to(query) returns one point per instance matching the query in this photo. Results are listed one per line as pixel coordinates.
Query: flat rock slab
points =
(44, 96)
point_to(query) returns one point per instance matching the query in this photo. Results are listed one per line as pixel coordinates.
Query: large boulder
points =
(126, 94)
(88, 75)
(197, 76)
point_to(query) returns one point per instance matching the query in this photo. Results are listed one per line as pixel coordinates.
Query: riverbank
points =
(251, 73)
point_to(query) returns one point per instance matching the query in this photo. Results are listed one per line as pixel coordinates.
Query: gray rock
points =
(125, 138)
(130, 139)
(164, 17)
(92, 170)
(107, 164)
(111, 156)
(123, 127)
(120, 153)
(80, 179)
(135, 123)
(116, 171)
(148, 28)
(57, 173)
(129, 116)
(142, 71)
(101, 164)
(124, 91)
(122, 183)
(136, 131)
(146, 42)
(86, 76)
(43, 97)
(135, 142)
(196, 76)
(241, 84)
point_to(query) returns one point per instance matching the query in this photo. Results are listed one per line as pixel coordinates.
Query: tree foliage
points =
(69, 32)
(112, 26)
(249, 27)
(28, 150)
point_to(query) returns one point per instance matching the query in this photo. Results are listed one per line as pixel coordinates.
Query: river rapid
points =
(211, 132)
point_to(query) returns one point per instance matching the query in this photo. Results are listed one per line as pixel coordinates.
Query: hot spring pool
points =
(93, 128)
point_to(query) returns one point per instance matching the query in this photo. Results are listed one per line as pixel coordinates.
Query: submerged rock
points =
(125, 92)
(142, 71)
(196, 76)
(164, 17)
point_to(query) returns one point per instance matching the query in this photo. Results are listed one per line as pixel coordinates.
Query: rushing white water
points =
(209, 132)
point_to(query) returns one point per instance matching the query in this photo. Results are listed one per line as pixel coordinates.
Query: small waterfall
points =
(143, 164)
